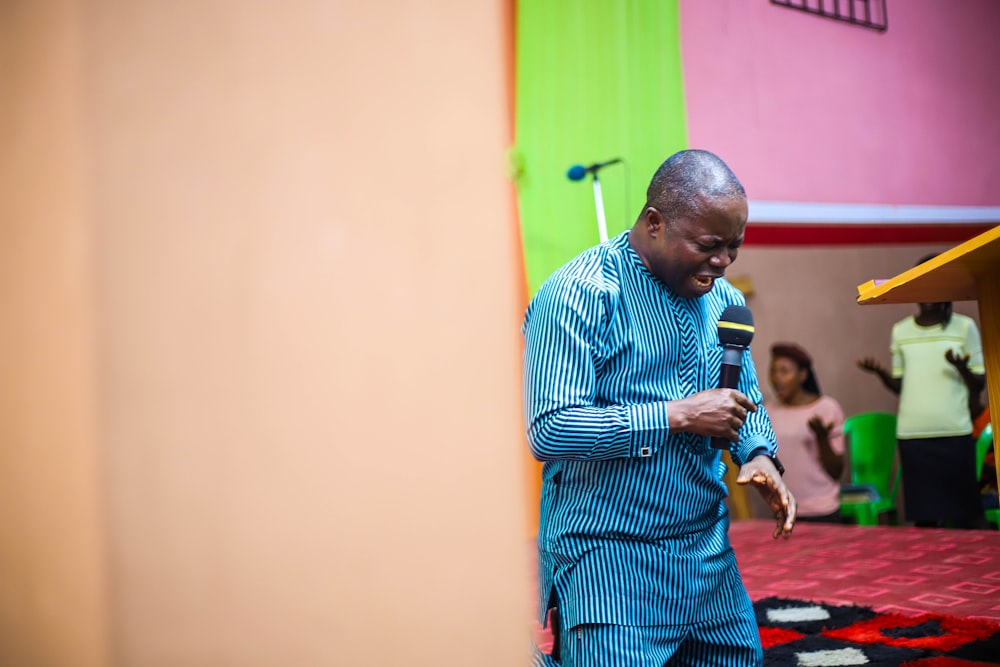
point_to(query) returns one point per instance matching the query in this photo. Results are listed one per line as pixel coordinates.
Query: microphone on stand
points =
(735, 334)
(577, 172)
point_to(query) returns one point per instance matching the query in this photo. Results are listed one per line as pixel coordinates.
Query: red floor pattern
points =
(891, 569)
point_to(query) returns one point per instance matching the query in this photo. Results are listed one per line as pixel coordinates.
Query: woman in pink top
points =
(810, 430)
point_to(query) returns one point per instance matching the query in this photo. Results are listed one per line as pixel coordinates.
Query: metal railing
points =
(865, 13)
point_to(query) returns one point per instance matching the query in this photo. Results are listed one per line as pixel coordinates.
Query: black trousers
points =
(940, 480)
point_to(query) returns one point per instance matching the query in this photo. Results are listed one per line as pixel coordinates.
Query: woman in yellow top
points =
(937, 365)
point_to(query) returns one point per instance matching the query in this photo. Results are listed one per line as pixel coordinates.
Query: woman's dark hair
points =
(944, 306)
(802, 359)
(945, 313)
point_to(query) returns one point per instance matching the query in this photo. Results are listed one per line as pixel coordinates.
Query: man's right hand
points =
(717, 413)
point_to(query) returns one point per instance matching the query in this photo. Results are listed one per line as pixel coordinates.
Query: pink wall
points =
(810, 109)
(807, 109)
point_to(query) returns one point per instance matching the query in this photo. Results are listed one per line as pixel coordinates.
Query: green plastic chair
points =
(983, 445)
(871, 443)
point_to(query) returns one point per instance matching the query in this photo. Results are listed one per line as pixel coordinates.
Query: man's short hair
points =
(686, 179)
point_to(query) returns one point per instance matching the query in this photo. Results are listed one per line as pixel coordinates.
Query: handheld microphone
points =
(578, 171)
(735, 334)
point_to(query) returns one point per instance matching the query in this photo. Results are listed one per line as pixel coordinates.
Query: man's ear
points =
(654, 222)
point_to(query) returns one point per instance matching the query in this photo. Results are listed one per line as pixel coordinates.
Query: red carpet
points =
(891, 569)
(798, 633)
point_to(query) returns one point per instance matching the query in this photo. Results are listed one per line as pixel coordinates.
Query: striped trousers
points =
(731, 642)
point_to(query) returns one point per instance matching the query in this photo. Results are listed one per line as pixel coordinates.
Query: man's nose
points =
(721, 259)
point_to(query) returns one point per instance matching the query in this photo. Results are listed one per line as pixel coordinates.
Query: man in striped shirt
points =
(621, 363)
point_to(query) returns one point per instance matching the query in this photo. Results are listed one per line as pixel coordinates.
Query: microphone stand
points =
(602, 225)
(576, 173)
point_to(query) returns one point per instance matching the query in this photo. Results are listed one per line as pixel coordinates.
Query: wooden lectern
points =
(967, 272)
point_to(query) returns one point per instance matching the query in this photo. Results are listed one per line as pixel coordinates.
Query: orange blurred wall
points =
(260, 304)
(53, 589)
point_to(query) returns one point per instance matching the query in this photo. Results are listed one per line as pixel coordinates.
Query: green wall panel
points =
(595, 80)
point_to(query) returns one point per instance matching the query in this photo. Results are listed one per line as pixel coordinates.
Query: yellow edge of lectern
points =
(951, 276)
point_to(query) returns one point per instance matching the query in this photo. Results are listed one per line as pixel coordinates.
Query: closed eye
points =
(713, 246)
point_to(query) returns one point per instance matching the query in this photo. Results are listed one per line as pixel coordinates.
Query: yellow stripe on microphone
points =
(735, 325)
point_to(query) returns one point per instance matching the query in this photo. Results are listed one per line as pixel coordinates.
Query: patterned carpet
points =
(891, 569)
(798, 633)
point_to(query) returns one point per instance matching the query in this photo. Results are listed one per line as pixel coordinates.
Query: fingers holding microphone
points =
(717, 413)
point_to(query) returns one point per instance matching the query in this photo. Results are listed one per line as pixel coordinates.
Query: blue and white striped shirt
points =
(633, 526)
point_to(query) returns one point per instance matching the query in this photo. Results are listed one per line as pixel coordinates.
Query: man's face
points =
(689, 254)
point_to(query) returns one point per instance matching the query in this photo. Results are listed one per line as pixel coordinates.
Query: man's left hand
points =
(761, 473)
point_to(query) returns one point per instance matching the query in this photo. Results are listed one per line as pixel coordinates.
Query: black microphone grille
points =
(736, 326)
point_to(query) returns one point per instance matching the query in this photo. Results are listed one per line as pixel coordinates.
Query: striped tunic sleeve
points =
(567, 320)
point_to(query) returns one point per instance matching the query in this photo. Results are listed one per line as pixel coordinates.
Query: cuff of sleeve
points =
(750, 447)
(649, 427)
